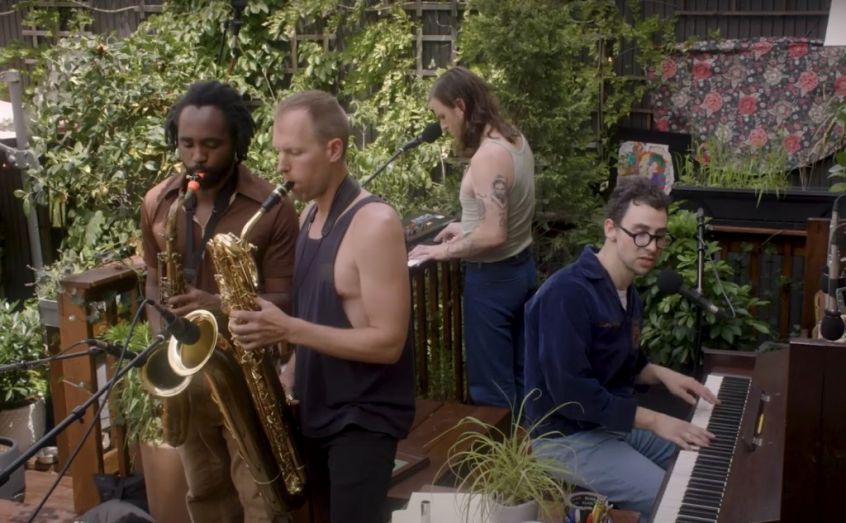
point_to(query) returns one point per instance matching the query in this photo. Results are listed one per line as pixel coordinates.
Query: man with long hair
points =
(494, 236)
(211, 128)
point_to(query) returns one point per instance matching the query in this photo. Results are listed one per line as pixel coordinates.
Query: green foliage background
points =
(669, 324)
(99, 103)
(21, 339)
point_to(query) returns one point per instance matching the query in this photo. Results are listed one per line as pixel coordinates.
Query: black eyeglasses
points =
(644, 238)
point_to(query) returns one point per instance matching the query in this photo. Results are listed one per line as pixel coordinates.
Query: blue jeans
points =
(627, 468)
(494, 295)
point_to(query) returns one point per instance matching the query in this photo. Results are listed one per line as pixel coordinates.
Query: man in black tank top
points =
(353, 372)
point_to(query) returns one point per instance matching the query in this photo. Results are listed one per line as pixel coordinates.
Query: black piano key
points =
(707, 515)
(690, 519)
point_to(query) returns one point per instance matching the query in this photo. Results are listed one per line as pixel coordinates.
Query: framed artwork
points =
(653, 154)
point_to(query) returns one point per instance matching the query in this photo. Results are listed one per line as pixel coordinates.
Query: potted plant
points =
(746, 186)
(140, 415)
(669, 321)
(515, 484)
(22, 410)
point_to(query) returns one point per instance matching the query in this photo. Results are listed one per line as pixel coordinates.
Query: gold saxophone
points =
(157, 375)
(237, 279)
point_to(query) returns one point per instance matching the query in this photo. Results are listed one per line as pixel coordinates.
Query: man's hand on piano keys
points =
(685, 387)
(423, 253)
(686, 435)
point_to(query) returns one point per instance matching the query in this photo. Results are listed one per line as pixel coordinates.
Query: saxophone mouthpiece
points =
(276, 196)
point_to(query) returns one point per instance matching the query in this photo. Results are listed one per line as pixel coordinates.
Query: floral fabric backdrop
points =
(754, 94)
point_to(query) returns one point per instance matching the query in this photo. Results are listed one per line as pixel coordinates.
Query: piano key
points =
(694, 491)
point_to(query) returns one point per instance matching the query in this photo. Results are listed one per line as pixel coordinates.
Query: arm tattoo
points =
(499, 193)
(499, 196)
(480, 200)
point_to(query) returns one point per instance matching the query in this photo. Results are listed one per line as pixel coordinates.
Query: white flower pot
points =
(24, 425)
(527, 511)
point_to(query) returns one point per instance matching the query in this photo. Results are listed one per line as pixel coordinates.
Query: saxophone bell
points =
(186, 359)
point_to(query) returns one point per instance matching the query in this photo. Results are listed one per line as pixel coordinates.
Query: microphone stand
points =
(79, 410)
(382, 168)
(700, 271)
(92, 351)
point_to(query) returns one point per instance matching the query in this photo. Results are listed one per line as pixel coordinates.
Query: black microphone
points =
(431, 133)
(180, 328)
(670, 282)
(831, 325)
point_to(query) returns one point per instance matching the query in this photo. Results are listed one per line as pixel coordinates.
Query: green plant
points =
(669, 321)
(838, 170)
(21, 339)
(718, 163)
(502, 466)
(139, 411)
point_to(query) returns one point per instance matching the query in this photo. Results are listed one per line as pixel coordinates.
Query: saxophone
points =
(157, 375)
(237, 279)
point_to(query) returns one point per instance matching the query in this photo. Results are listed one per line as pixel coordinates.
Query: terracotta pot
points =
(164, 480)
(15, 487)
(527, 511)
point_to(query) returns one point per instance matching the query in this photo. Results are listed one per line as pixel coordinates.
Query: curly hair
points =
(213, 93)
(480, 107)
(637, 190)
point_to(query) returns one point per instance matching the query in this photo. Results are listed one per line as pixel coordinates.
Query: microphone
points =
(180, 328)
(431, 133)
(831, 325)
(670, 282)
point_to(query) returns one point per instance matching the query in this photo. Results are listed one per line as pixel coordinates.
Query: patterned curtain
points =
(755, 93)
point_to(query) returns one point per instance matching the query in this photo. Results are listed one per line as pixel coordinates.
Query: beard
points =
(213, 174)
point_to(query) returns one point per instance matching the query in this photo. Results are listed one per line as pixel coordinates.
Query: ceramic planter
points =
(527, 511)
(14, 488)
(164, 480)
(24, 425)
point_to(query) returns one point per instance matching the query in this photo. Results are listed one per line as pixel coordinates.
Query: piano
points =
(780, 449)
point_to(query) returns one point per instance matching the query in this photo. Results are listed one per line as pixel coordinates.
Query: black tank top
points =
(334, 392)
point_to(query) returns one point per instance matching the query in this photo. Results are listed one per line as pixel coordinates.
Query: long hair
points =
(480, 107)
(242, 127)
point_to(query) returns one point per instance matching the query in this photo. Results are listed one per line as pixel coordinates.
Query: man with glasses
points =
(583, 355)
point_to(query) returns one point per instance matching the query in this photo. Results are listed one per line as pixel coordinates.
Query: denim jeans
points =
(494, 295)
(627, 468)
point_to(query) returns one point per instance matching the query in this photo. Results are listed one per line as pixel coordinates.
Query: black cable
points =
(96, 417)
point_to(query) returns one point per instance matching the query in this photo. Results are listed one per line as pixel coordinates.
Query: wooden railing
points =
(88, 304)
(783, 266)
(436, 297)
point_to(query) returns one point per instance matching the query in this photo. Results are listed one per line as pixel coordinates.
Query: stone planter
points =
(164, 480)
(13, 489)
(527, 511)
(49, 312)
(24, 425)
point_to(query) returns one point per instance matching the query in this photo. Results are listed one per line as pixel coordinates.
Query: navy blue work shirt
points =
(583, 350)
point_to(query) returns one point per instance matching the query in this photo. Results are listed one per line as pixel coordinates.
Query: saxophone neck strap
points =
(221, 202)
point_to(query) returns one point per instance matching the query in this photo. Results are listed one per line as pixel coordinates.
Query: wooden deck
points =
(59, 508)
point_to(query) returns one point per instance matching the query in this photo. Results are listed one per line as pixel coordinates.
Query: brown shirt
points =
(274, 235)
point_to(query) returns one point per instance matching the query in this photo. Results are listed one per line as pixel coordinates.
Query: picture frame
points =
(654, 154)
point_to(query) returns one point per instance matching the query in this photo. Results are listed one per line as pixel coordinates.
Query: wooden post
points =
(74, 380)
